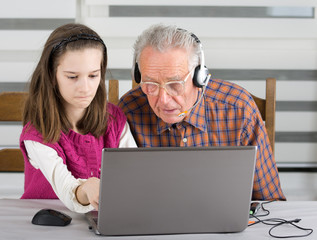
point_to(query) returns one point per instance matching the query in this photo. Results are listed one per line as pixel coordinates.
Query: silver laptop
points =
(145, 191)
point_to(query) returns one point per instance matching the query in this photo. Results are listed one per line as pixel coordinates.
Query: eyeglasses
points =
(173, 88)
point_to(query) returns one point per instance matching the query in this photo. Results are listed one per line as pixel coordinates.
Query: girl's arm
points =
(55, 171)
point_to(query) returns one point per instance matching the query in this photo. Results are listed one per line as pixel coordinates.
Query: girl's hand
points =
(88, 192)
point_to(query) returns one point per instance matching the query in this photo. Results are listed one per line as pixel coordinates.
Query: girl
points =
(67, 120)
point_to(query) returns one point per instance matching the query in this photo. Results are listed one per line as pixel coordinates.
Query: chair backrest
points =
(267, 109)
(11, 108)
(266, 106)
(113, 92)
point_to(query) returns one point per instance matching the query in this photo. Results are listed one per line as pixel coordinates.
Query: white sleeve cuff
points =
(71, 201)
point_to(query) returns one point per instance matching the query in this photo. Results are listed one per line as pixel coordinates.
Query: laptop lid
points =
(175, 190)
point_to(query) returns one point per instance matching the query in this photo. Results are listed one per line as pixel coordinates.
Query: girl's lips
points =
(82, 97)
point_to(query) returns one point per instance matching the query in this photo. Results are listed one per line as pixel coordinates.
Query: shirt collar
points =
(195, 118)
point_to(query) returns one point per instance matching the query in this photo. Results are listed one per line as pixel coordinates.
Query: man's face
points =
(164, 67)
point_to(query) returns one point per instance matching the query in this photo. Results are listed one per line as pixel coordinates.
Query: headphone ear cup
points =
(137, 74)
(196, 78)
(200, 76)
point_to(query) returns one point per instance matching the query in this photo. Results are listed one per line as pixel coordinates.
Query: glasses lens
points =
(175, 88)
(150, 88)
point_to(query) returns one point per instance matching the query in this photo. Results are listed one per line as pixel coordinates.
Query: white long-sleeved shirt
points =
(55, 171)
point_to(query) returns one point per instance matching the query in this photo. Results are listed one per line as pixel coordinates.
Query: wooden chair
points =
(267, 109)
(113, 91)
(11, 107)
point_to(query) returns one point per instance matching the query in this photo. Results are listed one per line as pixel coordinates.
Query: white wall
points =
(244, 50)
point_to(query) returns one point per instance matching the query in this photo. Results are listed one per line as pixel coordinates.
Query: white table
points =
(16, 215)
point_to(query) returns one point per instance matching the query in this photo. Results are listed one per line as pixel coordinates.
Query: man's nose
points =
(164, 97)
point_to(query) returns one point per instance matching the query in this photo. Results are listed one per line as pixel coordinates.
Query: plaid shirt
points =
(226, 116)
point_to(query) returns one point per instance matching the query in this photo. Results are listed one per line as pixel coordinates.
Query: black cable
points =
(266, 211)
(277, 222)
(292, 222)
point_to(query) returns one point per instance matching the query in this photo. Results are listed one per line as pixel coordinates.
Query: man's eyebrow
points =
(147, 78)
(174, 78)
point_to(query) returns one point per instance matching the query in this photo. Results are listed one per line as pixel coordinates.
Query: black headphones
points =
(200, 78)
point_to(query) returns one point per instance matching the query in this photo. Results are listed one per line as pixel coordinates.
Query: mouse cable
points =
(266, 211)
(277, 222)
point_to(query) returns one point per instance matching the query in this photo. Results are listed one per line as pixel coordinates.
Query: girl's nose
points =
(83, 84)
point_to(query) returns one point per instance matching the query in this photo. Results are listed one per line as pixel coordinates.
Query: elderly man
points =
(177, 104)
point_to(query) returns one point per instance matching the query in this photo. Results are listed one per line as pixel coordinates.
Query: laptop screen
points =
(175, 190)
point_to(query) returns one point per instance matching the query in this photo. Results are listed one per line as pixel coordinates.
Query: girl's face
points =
(78, 76)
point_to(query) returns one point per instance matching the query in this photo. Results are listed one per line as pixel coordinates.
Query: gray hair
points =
(162, 38)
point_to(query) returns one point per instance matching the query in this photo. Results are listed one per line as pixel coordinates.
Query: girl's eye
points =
(72, 77)
(93, 76)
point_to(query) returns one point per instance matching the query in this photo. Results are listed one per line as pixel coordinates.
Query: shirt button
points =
(184, 140)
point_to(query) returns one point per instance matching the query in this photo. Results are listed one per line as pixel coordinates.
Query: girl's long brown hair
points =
(43, 107)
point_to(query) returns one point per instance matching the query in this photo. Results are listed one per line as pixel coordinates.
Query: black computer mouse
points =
(50, 217)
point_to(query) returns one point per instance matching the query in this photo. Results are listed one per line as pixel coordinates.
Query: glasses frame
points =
(165, 84)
